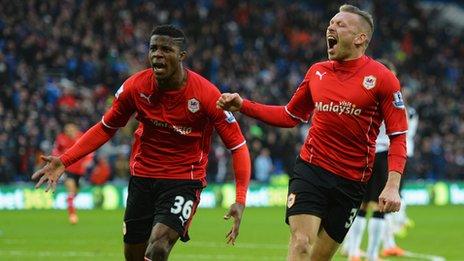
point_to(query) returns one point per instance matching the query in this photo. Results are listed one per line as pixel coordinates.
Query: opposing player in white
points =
(395, 222)
(376, 223)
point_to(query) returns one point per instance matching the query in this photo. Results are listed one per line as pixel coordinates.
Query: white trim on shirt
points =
(397, 133)
(294, 116)
(106, 125)
(238, 146)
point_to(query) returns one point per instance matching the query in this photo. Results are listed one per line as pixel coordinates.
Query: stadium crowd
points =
(62, 61)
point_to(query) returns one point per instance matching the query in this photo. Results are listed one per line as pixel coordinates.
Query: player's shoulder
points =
(375, 73)
(318, 68)
(322, 64)
(135, 81)
(202, 86)
(140, 77)
(379, 68)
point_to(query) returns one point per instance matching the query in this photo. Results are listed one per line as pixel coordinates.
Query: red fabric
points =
(70, 203)
(347, 102)
(101, 173)
(68, 101)
(274, 115)
(175, 128)
(242, 169)
(397, 153)
(90, 141)
(63, 143)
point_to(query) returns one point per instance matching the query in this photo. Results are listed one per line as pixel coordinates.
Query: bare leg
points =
(324, 247)
(161, 241)
(304, 230)
(135, 252)
(72, 189)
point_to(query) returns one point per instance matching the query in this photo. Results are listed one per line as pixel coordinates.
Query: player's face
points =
(70, 130)
(165, 56)
(341, 36)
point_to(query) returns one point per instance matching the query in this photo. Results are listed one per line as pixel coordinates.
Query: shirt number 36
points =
(182, 206)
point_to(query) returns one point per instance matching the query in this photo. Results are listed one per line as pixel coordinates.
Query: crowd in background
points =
(62, 61)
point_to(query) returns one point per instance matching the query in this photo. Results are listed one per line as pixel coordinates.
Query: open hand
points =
(236, 212)
(51, 172)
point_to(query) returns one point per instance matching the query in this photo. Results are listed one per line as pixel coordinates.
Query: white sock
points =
(359, 224)
(402, 217)
(375, 230)
(345, 247)
(388, 235)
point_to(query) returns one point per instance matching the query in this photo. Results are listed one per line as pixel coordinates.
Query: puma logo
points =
(142, 95)
(318, 73)
(182, 220)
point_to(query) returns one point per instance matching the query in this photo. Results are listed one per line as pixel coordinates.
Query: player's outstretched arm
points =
(55, 166)
(242, 170)
(270, 114)
(230, 102)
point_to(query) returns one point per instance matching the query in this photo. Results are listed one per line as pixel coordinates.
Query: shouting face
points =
(345, 37)
(165, 56)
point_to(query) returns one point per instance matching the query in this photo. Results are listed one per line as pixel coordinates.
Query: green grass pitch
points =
(47, 235)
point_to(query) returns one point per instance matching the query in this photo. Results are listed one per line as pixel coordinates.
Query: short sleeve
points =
(122, 108)
(392, 105)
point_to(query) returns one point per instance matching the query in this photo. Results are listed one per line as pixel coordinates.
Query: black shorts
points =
(316, 191)
(74, 177)
(151, 201)
(378, 178)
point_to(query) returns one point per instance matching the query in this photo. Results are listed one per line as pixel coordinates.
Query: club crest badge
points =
(291, 200)
(193, 105)
(369, 82)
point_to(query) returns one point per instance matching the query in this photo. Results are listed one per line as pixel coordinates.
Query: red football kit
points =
(64, 142)
(348, 101)
(174, 135)
(175, 129)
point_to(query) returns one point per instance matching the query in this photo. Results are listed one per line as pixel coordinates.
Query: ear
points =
(360, 39)
(182, 55)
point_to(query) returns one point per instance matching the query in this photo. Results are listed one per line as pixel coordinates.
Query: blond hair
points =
(367, 17)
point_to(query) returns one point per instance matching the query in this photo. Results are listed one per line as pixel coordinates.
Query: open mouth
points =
(159, 67)
(331, 42)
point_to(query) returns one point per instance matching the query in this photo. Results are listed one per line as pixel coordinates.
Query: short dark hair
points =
(172, 31)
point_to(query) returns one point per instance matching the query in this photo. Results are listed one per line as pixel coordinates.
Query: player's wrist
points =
(240, 200)
(394, 179)
(65, 160)
(244, 105)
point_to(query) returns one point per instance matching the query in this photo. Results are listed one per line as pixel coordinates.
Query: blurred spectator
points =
(62, 61)
(263, 166)
(221, 163)
(101, 171)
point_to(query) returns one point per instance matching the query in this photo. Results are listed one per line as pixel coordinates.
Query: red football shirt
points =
(175, 127)
(348, 101)
(63, 143)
